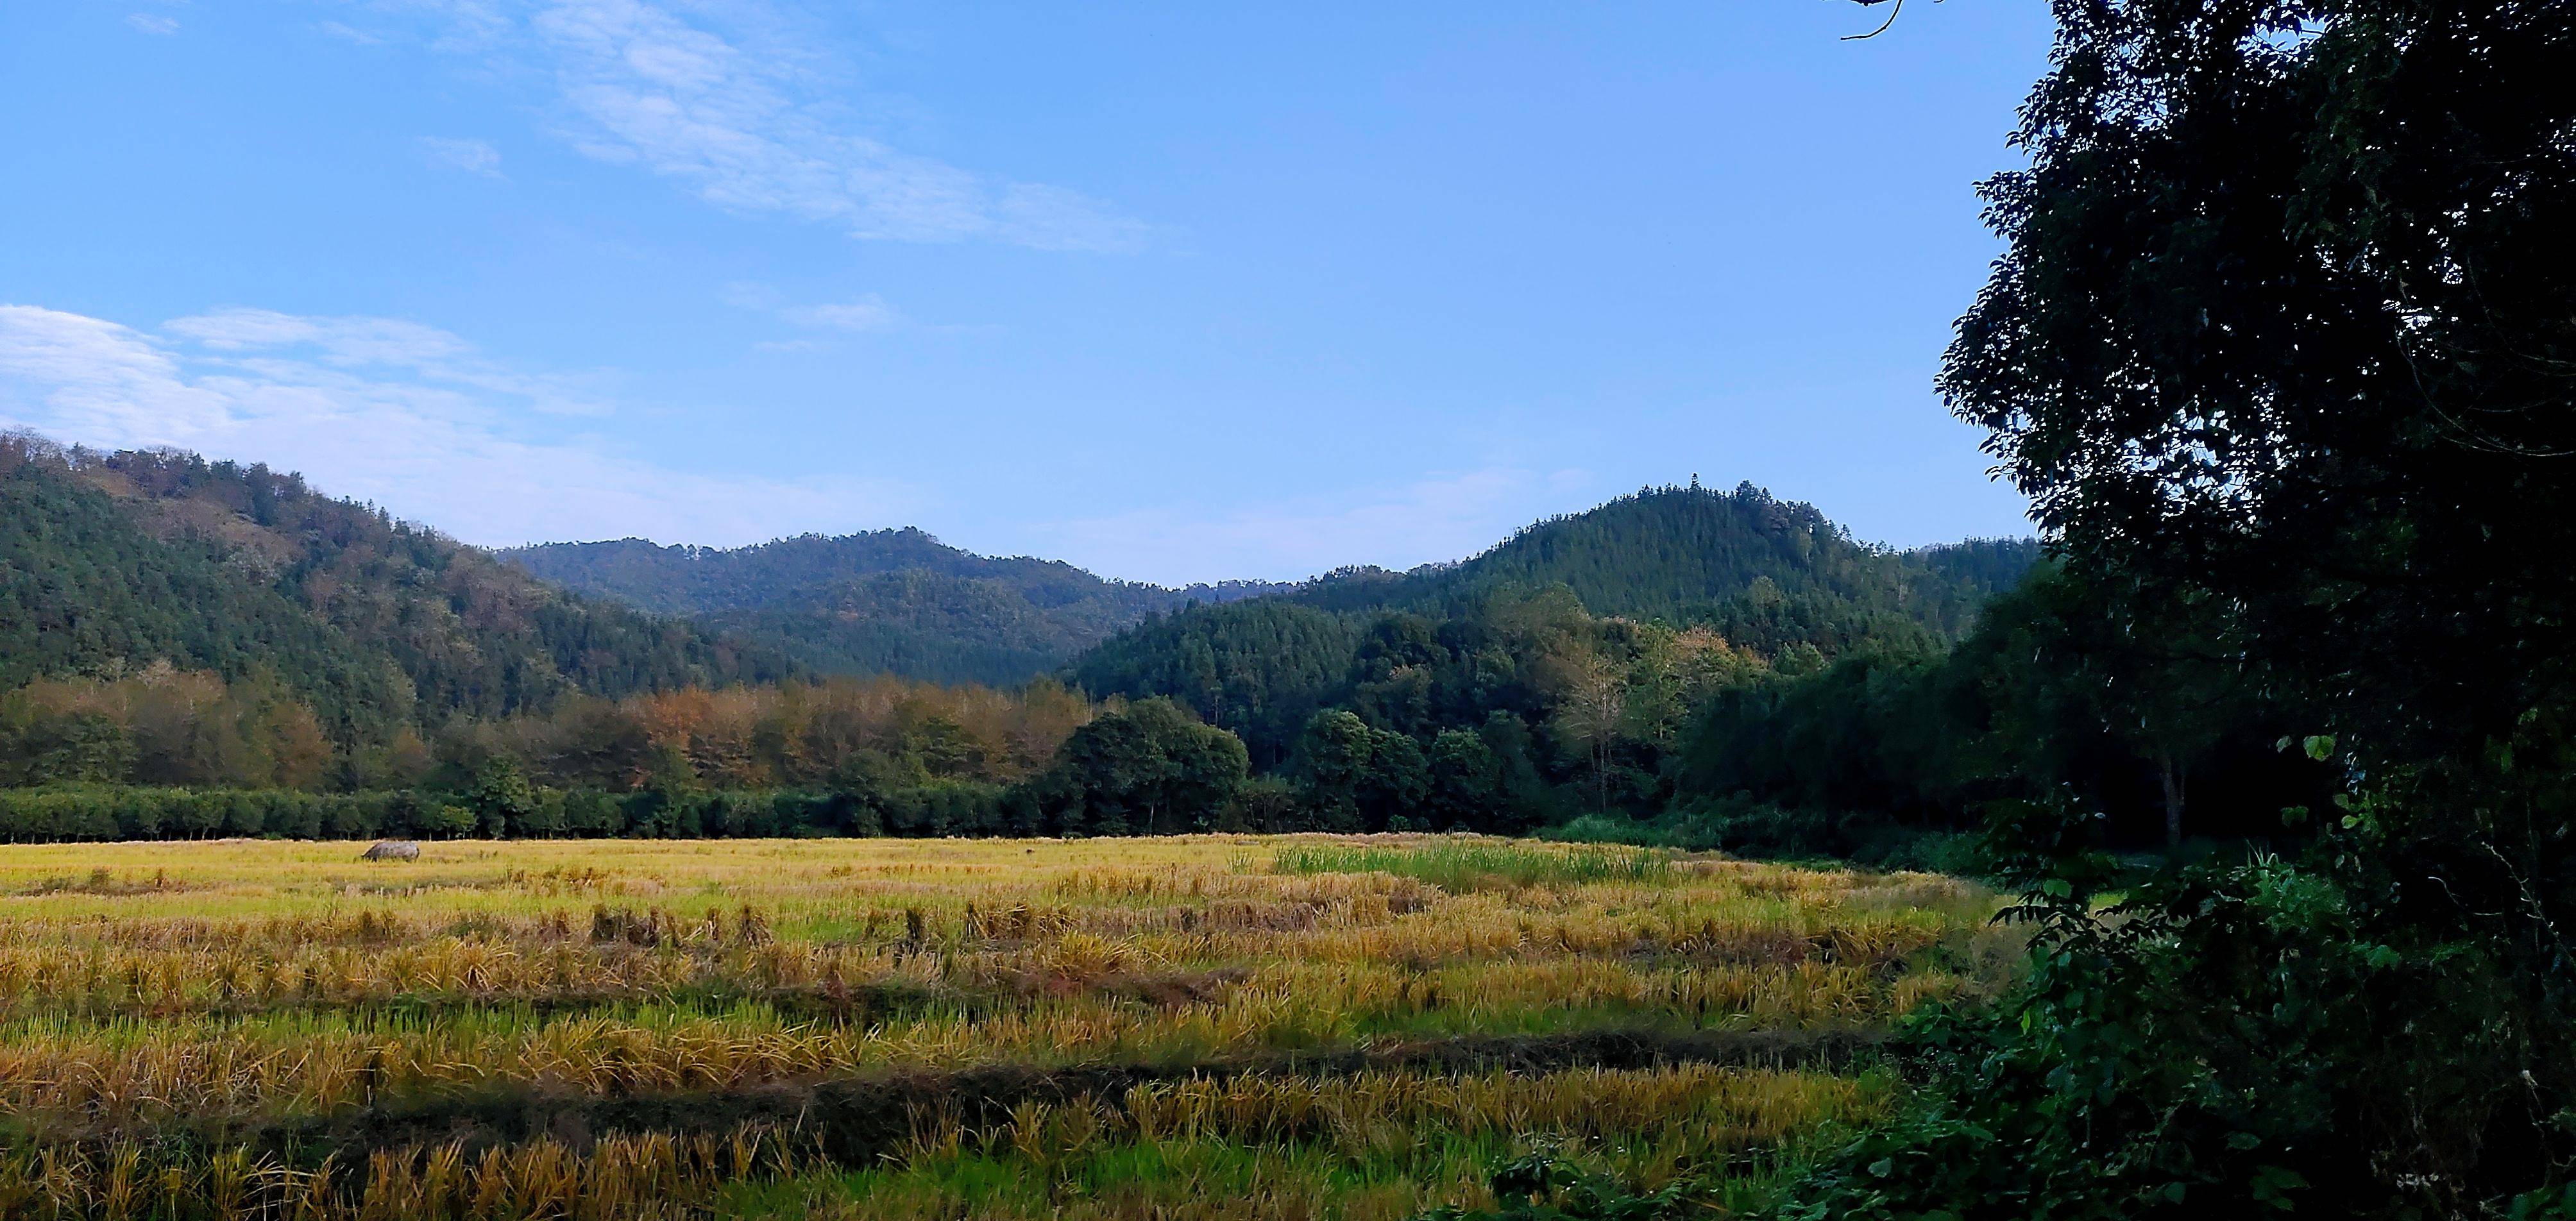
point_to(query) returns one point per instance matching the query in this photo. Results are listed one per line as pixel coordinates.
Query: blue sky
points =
(1175, 292)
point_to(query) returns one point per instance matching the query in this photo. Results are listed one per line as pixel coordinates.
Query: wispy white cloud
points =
(868, 313)
(253, 336)
(349, 33)
(342, 341)
(457, 153)
(736, 104)
(414, 418)
(153, 23)
(749, 294)
(1442, 517)
(390, 411)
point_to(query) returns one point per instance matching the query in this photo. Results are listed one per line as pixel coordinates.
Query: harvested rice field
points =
(1237, 1026)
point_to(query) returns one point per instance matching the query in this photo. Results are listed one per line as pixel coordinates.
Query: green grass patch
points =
(1463, 867)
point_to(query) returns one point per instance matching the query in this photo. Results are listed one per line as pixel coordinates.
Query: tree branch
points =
(1882, 26)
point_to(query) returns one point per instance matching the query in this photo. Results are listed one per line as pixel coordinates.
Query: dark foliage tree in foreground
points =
(2284, 349)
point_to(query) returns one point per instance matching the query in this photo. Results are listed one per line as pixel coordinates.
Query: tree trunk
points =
(2173, 781)
(1601, 776)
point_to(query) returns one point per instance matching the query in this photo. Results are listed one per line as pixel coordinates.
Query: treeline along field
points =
(1272, 1027)
(1682, 666)
(413, 686)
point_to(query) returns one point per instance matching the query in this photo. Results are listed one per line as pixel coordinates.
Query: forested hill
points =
(1739, 575)
(686, 580)
(1766, 572)
(112, 562)
(891, 601)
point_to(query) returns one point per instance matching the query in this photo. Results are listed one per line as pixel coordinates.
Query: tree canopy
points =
(2282, 348)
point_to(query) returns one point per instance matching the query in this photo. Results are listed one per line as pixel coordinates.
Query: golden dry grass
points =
(240, 988)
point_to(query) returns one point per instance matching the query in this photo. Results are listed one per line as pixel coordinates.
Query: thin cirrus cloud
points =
(350, 33)
(868, 313)
(153, 23)
(455, 153)
(385, 410)
(727, 101)
(253, 338)
(410, 417)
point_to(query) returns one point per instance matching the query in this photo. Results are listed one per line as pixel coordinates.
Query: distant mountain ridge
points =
(1768, 573)
(684, 579)
(897, 600)
(113, 562)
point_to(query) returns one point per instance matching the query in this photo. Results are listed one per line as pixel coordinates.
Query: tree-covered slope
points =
(1693, 553)
(891, 601)
(113, 561)
(1747, 579)
(1764, 573)
(1259, 666)
(927, 625)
